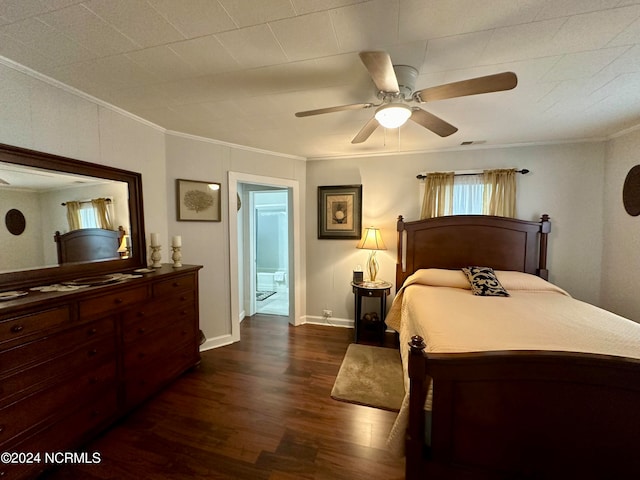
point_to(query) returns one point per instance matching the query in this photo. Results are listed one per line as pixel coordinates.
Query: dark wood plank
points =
(257, 409)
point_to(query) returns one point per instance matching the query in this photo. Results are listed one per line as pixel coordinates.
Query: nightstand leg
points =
(358, 313)
(383, 313)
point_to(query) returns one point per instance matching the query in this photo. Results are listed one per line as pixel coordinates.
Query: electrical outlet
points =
(327, 313)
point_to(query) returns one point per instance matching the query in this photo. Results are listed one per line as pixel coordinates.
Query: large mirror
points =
(63, 219)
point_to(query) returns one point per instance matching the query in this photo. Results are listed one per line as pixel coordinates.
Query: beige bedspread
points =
(439, 306)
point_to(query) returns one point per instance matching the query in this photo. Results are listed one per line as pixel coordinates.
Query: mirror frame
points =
(52, 274)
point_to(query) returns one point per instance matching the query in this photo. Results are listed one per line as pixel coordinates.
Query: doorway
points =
(270, 245)
(239, 252)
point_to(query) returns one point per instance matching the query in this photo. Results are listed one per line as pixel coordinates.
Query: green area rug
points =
(370, 376)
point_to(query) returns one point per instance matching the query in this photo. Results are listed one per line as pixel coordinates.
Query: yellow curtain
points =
(101, 210)
(500, 192)
(438, 195)
(73, 215)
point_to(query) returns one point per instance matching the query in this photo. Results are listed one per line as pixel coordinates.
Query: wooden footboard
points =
(524, 414)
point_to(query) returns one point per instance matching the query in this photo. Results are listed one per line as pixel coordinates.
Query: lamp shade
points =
(393, 115)
(371, 240)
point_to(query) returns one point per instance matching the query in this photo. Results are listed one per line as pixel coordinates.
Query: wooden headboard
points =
(88, 244)
(458, 241)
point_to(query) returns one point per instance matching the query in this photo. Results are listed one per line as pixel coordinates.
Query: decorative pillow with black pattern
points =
(484, 282)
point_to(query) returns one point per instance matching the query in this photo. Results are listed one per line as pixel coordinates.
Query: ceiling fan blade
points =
(474, 86)
(381, 70)
(354, 106)
(433, 123)
(366, 131)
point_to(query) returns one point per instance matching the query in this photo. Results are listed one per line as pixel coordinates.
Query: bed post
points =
(418, 393)
(545, 228)
(400, 229)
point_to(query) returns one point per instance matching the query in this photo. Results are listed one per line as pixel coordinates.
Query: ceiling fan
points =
(395, 84)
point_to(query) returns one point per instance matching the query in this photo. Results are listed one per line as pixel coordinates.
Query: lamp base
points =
(372, 266)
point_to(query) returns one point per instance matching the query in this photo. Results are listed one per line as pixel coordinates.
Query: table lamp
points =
(372, 240)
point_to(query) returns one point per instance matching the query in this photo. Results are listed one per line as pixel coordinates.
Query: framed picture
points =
(198, 201)
(340, 212)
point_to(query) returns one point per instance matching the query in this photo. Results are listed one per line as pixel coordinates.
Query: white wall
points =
(621, 250)
(25, 250)
(207, 243)
(566, 181)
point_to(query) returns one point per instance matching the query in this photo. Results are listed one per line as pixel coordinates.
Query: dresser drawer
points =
(154, 348)
(174, 285)
(141, 324)
(34, 324)
(159, 306)
(143, 383)
(20, 416)
(54, 345)
(87, 358)
(68, 433)
(113, 301)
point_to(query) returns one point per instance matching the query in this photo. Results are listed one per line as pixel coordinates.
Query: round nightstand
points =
(379, 289)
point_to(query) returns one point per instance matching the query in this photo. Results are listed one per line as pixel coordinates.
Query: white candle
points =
(177, 241)
(154, 240)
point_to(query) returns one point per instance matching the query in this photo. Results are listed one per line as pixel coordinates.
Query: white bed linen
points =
(439, 306)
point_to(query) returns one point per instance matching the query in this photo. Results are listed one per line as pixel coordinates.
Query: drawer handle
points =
(141, 331)
(176, 284)
(183, 298)
(370, 293)
(1, 428)
(183, 312)
(118, 301)
(93, 352)
(17, 328)
(141, 314)
(92, 331)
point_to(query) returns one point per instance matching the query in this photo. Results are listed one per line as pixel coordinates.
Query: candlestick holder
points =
(156, 256)
(176, 256)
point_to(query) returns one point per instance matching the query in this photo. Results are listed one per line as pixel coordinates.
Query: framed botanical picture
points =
(198, 201)
(340, 212)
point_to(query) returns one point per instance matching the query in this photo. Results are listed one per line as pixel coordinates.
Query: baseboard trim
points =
(330, 322)
(216, 342)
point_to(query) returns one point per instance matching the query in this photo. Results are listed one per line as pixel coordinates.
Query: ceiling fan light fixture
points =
(393, 115)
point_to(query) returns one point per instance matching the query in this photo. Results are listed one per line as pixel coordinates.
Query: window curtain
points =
(500, 192)
(438, 195)
(101, 210)
(73, 215)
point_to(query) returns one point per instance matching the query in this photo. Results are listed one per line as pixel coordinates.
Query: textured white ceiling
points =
(238, 70)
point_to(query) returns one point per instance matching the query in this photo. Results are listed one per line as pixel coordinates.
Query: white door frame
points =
(295, 283)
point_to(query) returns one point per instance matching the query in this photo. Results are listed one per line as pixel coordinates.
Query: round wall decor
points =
(15, 222)
(631, 192)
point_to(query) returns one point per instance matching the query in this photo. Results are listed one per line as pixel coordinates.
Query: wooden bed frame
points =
(512, 414)
(88, 245)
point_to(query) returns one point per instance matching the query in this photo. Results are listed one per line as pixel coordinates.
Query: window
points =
(493, 192)
(468, 194)
(88, 217)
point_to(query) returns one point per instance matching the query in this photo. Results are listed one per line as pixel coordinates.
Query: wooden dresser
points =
(71, 363)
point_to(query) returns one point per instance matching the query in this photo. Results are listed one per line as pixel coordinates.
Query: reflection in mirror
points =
(52, 201)
(80, 218)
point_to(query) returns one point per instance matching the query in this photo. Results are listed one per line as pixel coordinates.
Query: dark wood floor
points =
(257, 409)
